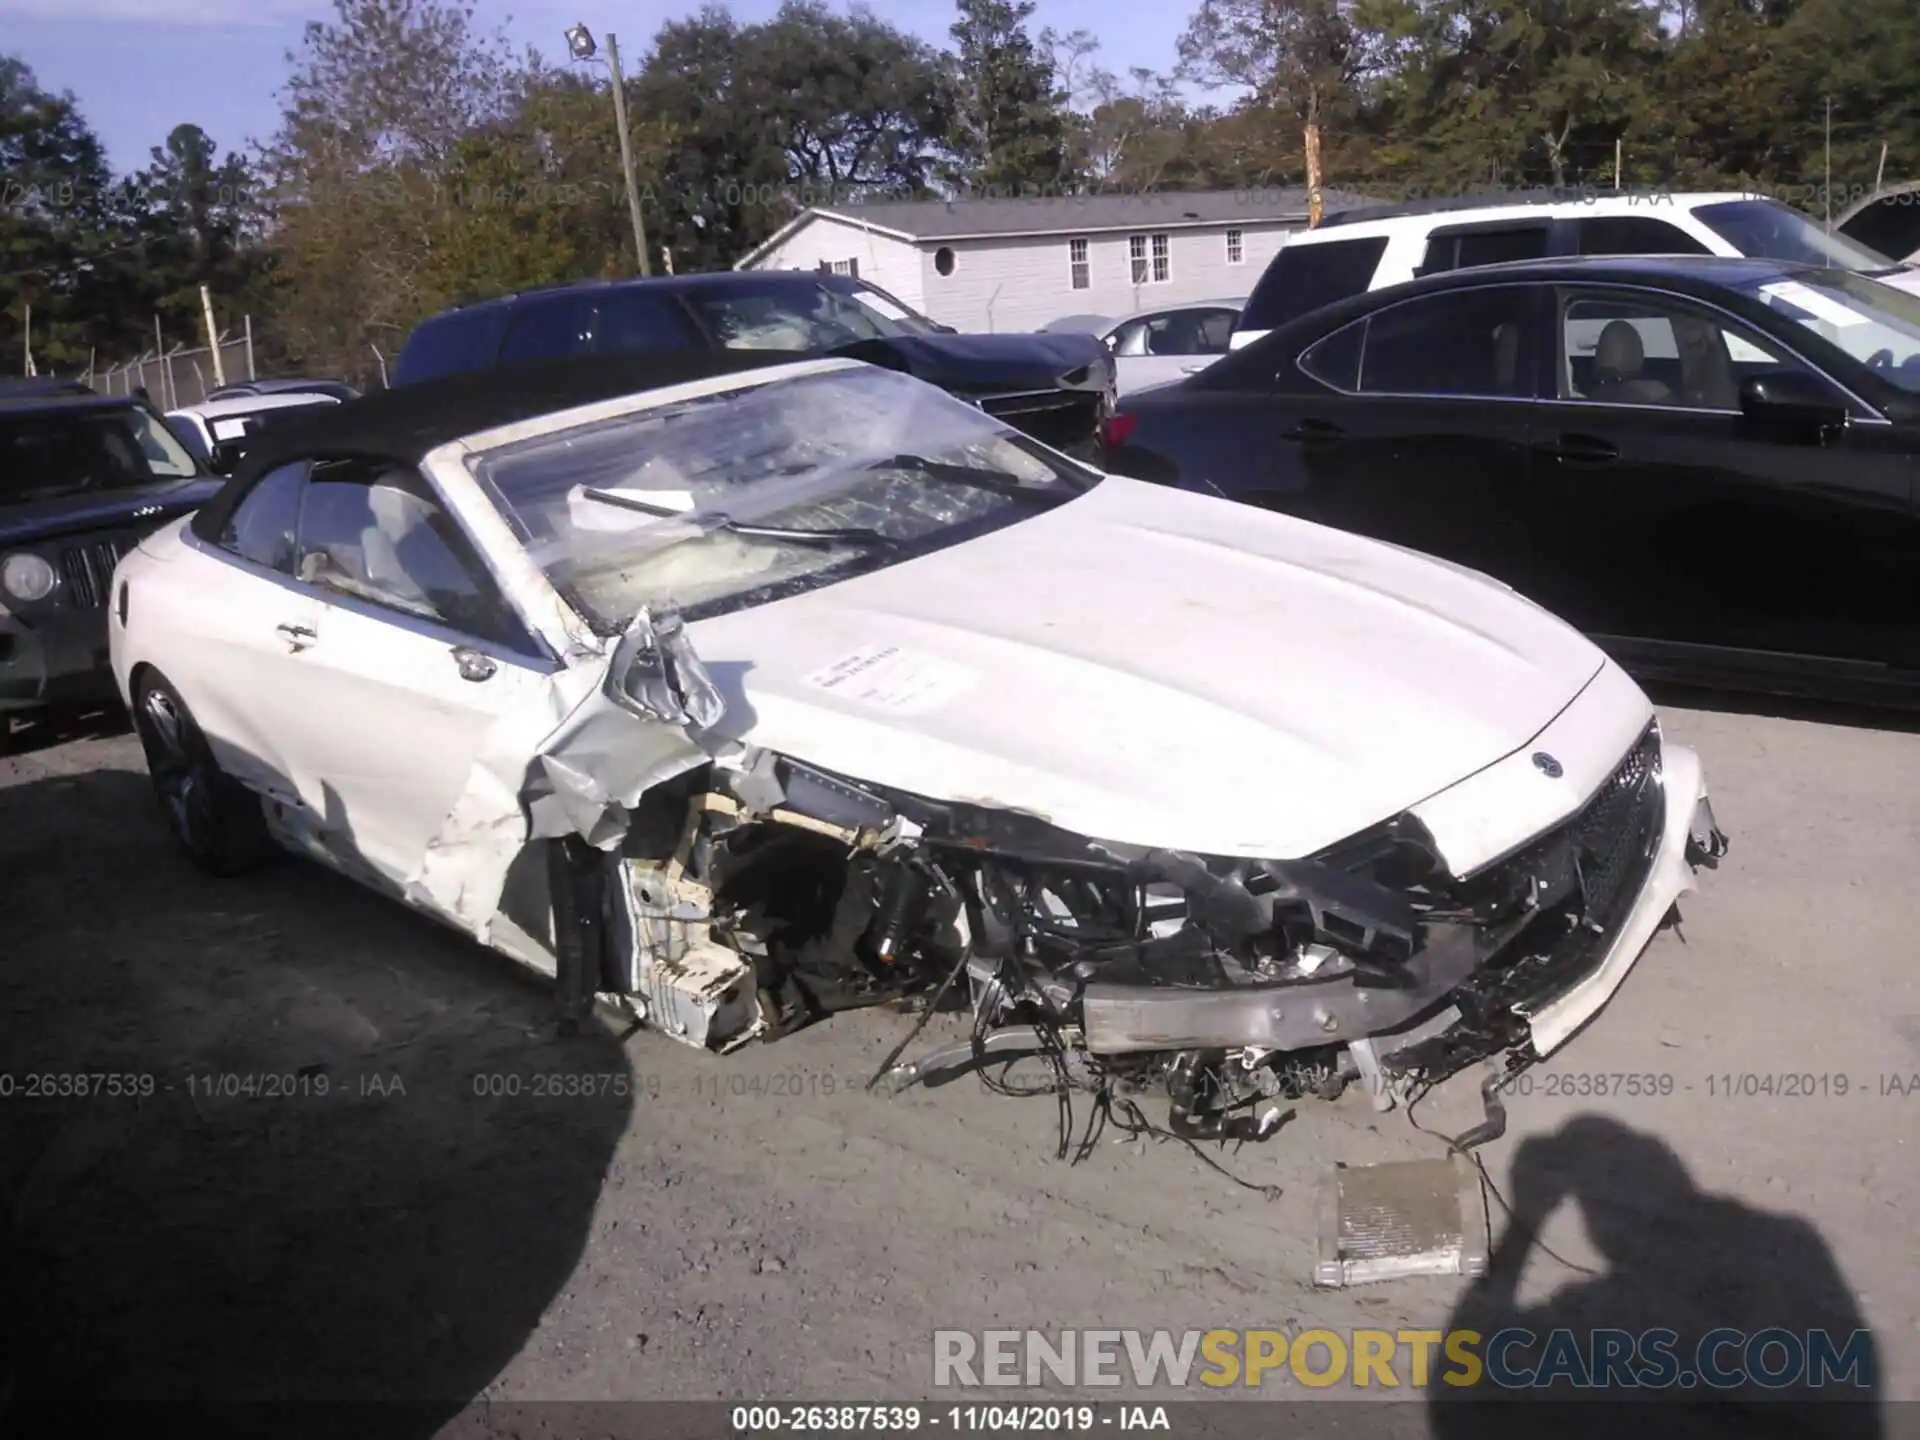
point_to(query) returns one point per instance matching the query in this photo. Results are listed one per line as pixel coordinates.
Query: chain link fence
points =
(180, 375)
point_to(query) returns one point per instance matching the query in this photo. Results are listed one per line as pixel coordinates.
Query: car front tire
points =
(217, 820)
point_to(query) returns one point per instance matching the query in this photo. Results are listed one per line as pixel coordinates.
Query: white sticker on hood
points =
(889, 678)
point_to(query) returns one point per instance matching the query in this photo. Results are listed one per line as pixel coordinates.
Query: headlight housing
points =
(27, 577)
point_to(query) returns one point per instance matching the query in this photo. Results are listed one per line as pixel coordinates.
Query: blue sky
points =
(140, 67)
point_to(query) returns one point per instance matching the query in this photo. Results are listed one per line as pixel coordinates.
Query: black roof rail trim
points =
(1447, 205)
(42, 385)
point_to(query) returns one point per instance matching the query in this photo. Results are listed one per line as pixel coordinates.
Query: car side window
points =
(1175, 333)
(1635, 235)
(1130, 339)
(1335, 359)
(448, 344)
(546, 329)
(1468, 249)
(377, 533)
(263, 525)
(782, 316)
(1625, 348)
(633, 320)
(1459, 342)
(1216, 331)
(1304, 277)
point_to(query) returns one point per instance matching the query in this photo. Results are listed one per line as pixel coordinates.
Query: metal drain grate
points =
(1406, 1217)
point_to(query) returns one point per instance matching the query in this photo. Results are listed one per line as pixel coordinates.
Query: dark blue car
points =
(1056, 388)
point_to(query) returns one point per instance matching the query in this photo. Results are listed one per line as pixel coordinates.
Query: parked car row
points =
(750, 648)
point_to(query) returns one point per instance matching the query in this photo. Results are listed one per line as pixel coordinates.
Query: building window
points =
(943, 260)
(1077, 264)
(1236, 247)
(1161, 269)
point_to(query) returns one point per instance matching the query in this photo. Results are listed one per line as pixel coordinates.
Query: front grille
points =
(1609, 844)
(1616, 834)
(1060, 418)
(88, 570)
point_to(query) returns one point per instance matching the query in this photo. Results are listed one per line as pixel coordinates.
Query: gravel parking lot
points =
(423, 1192)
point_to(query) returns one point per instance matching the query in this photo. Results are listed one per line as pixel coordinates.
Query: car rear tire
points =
(218, 821)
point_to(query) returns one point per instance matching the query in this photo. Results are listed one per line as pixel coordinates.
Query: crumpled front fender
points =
(575, 760)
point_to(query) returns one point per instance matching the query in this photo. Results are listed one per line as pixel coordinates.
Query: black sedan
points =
(1712, 466)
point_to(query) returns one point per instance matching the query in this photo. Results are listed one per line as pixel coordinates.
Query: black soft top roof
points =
(409, 421)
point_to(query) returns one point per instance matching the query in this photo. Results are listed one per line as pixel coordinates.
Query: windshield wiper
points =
(708, 522)
(974, 477)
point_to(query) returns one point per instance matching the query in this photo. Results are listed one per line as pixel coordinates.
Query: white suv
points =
(1376, 246)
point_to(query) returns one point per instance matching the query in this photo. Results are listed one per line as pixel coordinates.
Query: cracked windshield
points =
(730, 499)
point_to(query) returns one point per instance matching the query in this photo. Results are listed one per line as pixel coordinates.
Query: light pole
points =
(581, 46)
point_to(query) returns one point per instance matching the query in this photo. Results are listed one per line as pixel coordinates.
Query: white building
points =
(987, 265)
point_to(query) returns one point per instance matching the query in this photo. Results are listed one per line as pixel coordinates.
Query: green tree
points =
(853, 103)
(197, 217)
(1529, 94)
(379, 115)
(724, 183)
(1009, 133)
(760, 121)
(59, 231)
(1306, 60)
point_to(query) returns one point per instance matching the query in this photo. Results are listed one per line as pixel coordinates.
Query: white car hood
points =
(1150, 666)
(1907, 279)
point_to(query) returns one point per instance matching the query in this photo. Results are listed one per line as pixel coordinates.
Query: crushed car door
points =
(416, 654)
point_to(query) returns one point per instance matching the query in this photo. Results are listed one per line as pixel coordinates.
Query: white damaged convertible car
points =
(752, 691)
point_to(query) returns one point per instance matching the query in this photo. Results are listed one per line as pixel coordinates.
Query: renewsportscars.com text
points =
(1512, 1359)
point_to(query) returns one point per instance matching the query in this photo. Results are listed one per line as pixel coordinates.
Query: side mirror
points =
(225, 458)
(1791, 399)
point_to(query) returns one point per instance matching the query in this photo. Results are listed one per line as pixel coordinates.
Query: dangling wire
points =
(1487, 1187)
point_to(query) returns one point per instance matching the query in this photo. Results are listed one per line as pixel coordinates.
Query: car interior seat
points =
(1506, 356)
(404, 557)
(1706, 371)
(1617, 364)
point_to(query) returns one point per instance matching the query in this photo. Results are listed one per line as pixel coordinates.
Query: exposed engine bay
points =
(755, 894)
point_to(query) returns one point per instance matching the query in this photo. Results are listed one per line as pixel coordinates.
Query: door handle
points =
(1315, 432)
(299, 636)
(1192, 369)
(473, 664)
(1582, 450)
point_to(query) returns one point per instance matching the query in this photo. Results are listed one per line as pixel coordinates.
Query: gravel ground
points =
(477, 1208)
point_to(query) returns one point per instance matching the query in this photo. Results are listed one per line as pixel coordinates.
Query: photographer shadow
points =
(1678, 1260)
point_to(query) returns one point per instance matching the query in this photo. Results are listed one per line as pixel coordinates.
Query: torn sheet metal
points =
(574, 761)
